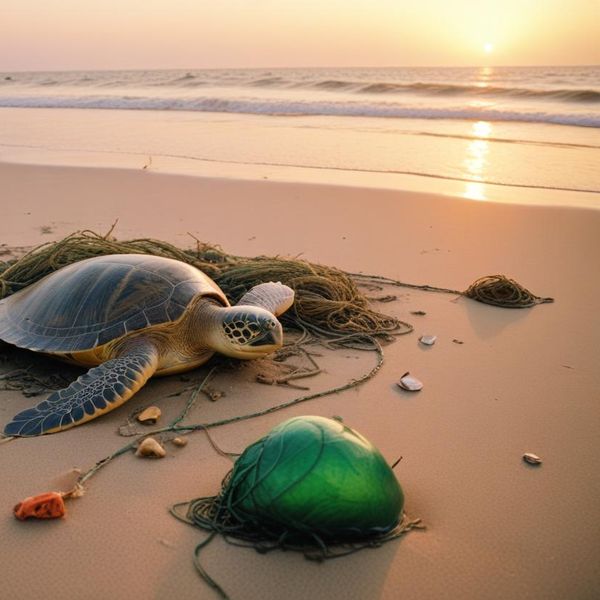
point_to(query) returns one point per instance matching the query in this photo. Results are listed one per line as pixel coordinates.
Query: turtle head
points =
(248, 332)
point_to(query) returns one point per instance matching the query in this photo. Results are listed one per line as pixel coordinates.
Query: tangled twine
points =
(215, 514)
(327, 304)
(327, 300)
(499, 290)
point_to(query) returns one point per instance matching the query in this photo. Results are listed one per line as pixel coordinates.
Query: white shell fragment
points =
(150, 448)
(180, 441)
(428, 340)
(149, 416)
(532, 459)
(409, 383)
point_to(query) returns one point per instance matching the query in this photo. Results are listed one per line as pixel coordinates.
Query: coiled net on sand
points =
(328, 302)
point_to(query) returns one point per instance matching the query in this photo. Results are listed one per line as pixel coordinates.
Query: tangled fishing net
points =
(327, 303)
(312, 485)
(499, 290)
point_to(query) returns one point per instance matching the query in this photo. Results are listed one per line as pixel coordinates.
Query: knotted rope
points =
(499, 290)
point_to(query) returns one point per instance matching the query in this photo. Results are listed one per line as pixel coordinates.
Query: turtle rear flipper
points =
(274, 297)
(98, 391)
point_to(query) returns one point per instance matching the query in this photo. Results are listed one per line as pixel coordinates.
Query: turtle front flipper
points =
(274, 297)
(98, 391)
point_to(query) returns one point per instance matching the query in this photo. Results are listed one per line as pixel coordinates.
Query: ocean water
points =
(531, 127)
(560, 95)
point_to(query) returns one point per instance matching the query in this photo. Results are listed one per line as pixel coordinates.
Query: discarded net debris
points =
(327, 303)
(499, 290)
(312, 485)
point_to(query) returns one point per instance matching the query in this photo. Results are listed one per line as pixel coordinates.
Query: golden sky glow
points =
(93, 34)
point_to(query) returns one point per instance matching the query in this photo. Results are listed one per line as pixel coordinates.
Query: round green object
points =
(315, 475)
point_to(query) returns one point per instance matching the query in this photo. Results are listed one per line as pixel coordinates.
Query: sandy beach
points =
(521, 381)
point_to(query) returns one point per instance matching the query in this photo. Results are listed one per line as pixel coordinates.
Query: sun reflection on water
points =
(485, 73)
(474, 191)
(476, 160)
(481, 129)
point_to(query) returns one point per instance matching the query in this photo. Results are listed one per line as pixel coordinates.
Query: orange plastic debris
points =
(44, 506)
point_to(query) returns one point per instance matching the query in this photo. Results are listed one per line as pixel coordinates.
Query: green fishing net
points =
(311, 484)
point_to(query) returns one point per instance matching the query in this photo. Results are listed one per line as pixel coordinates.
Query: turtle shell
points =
(92, 302)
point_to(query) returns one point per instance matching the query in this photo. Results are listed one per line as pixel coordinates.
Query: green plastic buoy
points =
(315, 475)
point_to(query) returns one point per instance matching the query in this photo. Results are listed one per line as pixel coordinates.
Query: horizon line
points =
(266, 68)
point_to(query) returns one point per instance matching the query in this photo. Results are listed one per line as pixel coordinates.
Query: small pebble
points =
(150, 448)
(180, 441)
(409, 383)
(149, 416)
(532, 459)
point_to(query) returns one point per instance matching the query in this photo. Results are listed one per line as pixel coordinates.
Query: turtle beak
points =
(273, 337)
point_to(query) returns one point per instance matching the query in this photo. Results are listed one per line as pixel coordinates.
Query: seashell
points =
(409, 383)
(180, 441)
(149, 416)
(532, 459)
(44, 506)
(150, 448)
(428, 340)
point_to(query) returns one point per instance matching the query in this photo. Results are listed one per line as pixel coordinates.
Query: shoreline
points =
(531, 165)
(417, 184)
(337, 176)
(522, 381)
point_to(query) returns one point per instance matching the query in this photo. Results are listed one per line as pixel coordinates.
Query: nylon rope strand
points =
(210, 514)
(176, 427)
(496, 290)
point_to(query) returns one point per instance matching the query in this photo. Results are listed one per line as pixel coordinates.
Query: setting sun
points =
(488, 47)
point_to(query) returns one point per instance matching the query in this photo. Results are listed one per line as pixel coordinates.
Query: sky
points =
(156, 34)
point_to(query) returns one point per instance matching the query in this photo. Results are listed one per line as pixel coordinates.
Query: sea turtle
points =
(131, 316)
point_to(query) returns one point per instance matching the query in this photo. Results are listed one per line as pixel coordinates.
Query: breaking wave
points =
(263, 106)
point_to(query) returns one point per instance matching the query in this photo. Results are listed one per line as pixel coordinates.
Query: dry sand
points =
(523, 380)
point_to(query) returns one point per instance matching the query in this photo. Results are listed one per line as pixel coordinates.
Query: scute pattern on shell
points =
(92, 302)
